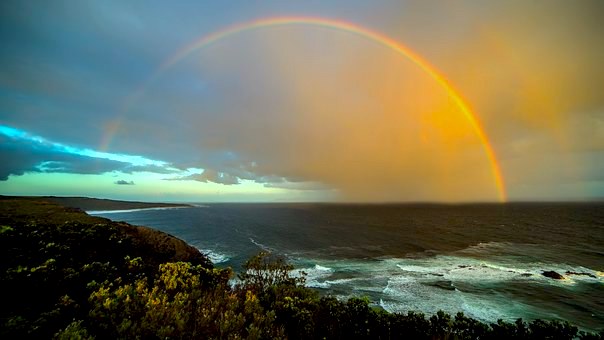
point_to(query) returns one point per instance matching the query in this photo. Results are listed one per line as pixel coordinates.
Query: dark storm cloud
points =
(124, 182)
(69, 67)
(151, 168)
(21, 156)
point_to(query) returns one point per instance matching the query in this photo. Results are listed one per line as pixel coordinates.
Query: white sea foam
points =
(214, 256)
(342, 281)
(363, 276)
(406, 293)
(319, 267)
(104, 212)
(262, 246)
(470, 270)
(314, 275)
(217, 257)
(444, 282)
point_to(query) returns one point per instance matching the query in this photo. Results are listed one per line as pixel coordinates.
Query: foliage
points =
(183, 299)
(80, 279)
(73, 331)
(52, 259)
(265, 270)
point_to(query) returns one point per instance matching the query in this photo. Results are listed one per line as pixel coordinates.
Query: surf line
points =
(339, 25)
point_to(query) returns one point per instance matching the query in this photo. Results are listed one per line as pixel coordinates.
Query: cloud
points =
(347, 127)
(209, 175)
(151, 168)
(298, 186)
(23, 152)
(363, 120)
(124, 182)
(309, 107)
(21, 156)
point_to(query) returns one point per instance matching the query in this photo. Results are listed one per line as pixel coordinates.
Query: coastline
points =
(99, 212)
(97, 205)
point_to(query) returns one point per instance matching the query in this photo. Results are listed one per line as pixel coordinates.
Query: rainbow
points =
(363, 32)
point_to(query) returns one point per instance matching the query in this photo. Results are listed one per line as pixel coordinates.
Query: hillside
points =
(95, 204)
(52, 253)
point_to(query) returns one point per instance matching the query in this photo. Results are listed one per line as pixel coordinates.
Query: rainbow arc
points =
(363, 32)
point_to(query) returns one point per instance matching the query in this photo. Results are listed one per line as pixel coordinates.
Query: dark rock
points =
(582, 274)
(446, 285)
(552, 274)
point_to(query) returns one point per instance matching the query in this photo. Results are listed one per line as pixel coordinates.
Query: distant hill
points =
(158, 246)
(95, 204)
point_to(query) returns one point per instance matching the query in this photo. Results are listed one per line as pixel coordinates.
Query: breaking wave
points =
(214, 256)
(482, 288)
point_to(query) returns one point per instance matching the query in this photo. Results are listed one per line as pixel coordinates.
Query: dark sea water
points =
(485, 260)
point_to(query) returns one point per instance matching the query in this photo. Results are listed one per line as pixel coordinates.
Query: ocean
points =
(485, 260)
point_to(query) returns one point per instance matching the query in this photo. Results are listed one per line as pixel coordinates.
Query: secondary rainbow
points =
(353, 29)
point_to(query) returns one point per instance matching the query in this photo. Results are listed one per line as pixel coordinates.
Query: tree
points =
(266, 270)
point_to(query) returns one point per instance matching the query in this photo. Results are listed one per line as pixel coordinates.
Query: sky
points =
(283, 101)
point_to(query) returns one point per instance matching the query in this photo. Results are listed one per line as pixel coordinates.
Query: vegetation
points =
(81, 278)
(89, 204)
(53, 258)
